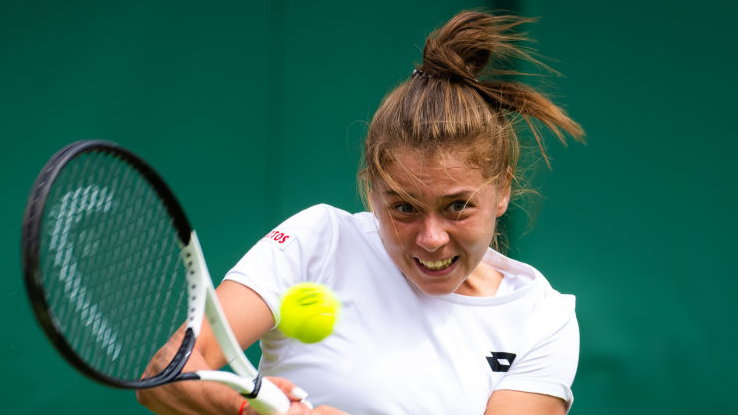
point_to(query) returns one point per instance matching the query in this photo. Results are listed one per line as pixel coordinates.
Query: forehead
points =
(415, 171)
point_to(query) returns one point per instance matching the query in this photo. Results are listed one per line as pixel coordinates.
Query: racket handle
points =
(270, 400)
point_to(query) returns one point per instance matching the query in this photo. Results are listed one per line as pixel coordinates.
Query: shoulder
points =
(316, 215)
(316, 223)
(322, 228)
(549, 309)
(322, 215)
(330, 218)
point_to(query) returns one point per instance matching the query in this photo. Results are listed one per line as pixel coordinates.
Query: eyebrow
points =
(464, 194)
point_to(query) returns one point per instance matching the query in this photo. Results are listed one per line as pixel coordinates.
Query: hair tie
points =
(418, 72)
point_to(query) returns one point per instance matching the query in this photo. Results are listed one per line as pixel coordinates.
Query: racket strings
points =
(110, 261)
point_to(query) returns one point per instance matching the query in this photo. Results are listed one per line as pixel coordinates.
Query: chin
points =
(434, 287)
(437, 291)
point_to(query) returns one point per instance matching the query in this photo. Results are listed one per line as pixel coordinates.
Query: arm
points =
(250, 318)
(509, 402)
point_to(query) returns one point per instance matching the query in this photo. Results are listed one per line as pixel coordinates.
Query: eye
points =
(404, 208)
(458, 206)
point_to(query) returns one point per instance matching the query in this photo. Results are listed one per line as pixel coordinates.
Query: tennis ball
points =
(308, 312)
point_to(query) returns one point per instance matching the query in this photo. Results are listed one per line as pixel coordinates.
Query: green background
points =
(254, 110)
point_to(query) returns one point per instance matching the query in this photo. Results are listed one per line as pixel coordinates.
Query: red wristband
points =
(243, 406)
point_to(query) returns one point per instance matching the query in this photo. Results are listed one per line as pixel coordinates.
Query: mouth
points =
(436, 266)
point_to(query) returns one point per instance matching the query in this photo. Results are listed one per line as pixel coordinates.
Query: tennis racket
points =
(113, 269)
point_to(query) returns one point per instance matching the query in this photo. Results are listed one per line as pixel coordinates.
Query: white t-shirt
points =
(396, 350)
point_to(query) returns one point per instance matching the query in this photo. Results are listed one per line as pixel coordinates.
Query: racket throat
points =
(249, 388)
(173, 371)
(257, 387)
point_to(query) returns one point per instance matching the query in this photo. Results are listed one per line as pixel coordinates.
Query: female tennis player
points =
(435, 320)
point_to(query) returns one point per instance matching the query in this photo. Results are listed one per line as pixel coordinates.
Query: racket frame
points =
(202, 300)
(30, 246)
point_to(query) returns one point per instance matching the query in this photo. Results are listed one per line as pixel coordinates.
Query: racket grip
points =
(270, 400)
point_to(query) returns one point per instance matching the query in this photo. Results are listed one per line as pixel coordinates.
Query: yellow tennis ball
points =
(308, 312)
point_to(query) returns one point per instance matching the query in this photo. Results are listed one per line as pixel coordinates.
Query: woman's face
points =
(438, 239)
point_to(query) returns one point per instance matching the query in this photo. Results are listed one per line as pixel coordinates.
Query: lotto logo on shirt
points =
(279, 238)
(500, 361)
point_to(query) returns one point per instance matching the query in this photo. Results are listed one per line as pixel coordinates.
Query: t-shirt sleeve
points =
(549, 365)
(295, 251)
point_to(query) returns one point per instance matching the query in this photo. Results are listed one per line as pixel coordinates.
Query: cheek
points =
(394, 234)
(479, 236)
(388, 229)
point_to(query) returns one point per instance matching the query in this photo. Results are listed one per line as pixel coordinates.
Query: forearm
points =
(189, 397)
(199, 397)
(196, 397)
(249, 317)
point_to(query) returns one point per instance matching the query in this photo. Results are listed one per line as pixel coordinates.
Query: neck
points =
(482, 282)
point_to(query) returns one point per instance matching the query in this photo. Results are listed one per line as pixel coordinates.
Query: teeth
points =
(436, 265)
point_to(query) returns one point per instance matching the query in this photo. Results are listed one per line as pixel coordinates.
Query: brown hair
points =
(458, 100)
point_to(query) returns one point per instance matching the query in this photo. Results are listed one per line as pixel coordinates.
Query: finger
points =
(295, 393)
(327, 410)
(299, 408)
(298, 393)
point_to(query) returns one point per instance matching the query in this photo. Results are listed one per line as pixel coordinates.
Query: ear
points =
(503, 199)
(504, 189)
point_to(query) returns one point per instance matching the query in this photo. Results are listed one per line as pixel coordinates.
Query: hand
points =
(299, 405)
(326, 410)
(302, 409)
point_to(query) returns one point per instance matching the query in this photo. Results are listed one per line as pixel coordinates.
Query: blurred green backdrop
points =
(254, 110)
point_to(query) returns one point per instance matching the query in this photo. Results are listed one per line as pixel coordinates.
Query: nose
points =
(432, 234)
